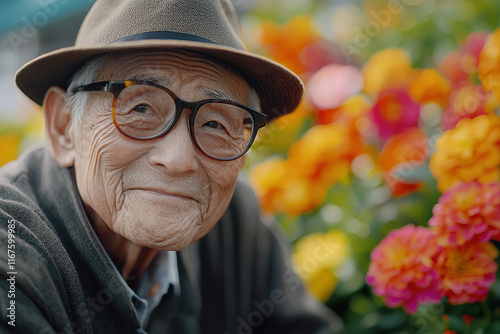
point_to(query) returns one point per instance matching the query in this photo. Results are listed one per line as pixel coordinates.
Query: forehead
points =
(167, 64)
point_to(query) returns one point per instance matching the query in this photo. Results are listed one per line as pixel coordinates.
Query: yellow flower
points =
(316, 258)
(10, 146)
(389, 68)
(489, 63)
(469, 152)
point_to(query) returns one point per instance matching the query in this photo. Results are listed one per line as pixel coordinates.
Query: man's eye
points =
(212, 124)
(141, 108)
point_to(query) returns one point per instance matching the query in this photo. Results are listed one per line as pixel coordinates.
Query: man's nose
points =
(175, 151)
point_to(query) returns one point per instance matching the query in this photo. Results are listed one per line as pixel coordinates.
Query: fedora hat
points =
(210, 27)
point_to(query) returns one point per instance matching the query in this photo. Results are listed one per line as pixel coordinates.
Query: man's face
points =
(161, 193)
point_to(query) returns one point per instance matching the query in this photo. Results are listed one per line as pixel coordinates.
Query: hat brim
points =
(279, 89)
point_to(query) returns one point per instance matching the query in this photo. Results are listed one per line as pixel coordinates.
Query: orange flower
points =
(429, 86)
(467, 212)
(489, 63)
(283, 187)
(316, 161)
(285, 44)
(325, 152)
(470, 151)
(467, 272)
(401, 268)
(403, 153)
(387, 69)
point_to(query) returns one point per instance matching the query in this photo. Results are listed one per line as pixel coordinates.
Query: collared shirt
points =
(161, 276)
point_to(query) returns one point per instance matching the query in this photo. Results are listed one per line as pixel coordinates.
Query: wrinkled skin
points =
(160, 194)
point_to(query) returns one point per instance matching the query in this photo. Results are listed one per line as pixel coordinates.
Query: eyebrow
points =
(215, 94)
(149, 79)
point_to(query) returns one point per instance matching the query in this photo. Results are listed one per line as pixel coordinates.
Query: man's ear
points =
(57, 126)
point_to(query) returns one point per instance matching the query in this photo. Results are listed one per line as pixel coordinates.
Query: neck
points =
(131, 260)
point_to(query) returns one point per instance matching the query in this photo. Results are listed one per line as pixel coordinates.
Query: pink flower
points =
(401, 268)
(467, 212)
(393, 112)
(467, 272)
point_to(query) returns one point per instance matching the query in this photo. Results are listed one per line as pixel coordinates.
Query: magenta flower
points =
(393, 112)
(402, 268)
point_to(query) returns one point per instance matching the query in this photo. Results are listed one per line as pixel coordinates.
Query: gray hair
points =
(89, 72)
(84, 76)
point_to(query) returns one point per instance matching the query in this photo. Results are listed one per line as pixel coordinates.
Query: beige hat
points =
(210, 27)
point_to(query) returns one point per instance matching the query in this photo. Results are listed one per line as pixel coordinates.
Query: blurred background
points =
(384, 80)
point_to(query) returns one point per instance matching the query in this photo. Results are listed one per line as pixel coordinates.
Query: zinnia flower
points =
(401, 268)
(470, 151)
(393, 112)
(467, 272)
(467, 212)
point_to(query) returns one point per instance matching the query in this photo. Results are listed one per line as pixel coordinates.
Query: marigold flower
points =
(429, 86)
(467, 212)
(316, 257)
(489, 63)
(470, 151)
(466, 272)
(402, 154)
(402, 268)
(387, 69)
(393, 112)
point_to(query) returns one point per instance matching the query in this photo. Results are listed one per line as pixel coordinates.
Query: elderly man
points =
(133, 218)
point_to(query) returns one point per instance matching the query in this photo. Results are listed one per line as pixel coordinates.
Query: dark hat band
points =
(164, 35)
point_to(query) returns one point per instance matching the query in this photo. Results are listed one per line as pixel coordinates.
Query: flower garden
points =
(387, 177)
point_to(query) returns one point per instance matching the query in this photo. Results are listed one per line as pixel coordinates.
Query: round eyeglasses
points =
(221, 129)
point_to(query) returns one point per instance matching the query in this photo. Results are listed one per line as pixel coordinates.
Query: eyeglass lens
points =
(221, 130)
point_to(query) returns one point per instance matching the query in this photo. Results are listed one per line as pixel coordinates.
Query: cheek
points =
(99, 168)
(223, 175)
